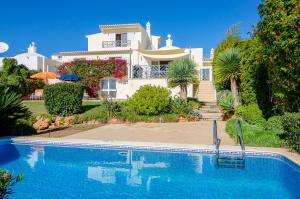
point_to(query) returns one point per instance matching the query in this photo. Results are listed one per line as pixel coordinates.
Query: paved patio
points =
(181, 133)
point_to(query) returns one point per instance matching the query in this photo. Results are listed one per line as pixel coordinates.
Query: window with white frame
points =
(205, 74)
(108, 88)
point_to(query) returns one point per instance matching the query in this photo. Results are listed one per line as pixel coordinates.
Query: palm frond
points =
(228, 64)
(11, 108)
(181, 72)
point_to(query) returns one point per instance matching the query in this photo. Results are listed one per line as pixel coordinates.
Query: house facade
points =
(147, 60)
(35, 61)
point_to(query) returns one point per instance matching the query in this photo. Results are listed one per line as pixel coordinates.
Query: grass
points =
(39, 106)
(254, 135)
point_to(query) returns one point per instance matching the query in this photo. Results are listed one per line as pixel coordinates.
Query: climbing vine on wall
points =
(92, 71)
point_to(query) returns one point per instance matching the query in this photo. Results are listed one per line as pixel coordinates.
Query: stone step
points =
(211, 114)
(211, 119)
(210, 103)
(206, 88)
(210, 110)
(206, 94)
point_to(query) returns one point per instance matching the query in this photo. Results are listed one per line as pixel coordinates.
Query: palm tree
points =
(181, 73)
(228, 69)
(11, 108)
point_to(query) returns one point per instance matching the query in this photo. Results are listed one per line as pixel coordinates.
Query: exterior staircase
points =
(211, 111)
(207, 91)
(207, 95)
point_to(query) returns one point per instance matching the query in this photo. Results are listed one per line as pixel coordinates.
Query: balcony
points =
(117, 43)
(149, 71)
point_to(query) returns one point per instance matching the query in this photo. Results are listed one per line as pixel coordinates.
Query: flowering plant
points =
(92, 71)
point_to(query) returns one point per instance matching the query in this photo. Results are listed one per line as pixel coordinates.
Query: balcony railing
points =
(149, 71)
(117, 43)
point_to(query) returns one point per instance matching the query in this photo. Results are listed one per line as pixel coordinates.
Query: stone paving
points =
(182, 133)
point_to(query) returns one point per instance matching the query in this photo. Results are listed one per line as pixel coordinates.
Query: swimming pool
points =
(53, 171)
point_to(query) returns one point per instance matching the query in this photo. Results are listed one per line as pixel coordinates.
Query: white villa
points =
(35, 61)
(147, 60)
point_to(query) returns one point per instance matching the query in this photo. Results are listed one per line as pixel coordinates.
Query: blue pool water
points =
(53, 172)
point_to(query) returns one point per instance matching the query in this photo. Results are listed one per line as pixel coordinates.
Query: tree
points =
(181, 73)
(279, 33)
(232, 40)
(14, 75)
(254, 78)
(228, 64)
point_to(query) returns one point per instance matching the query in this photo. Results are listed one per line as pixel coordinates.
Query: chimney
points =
(32, 48)
(148, 29)
(169, 41)
(212, 53)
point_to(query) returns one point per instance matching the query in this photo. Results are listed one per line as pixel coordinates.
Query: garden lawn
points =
(39, 106)
(254, 135)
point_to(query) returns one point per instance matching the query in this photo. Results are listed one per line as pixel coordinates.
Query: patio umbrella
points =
(69, 77)
(45, 75)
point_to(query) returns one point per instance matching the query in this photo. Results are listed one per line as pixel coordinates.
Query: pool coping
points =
(280, 153)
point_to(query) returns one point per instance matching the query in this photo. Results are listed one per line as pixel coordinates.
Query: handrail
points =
(239, 135)
(217, 141)
(116, 43)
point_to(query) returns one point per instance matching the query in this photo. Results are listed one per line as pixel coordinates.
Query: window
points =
(108, 88)
(121, 40)
(205, 74)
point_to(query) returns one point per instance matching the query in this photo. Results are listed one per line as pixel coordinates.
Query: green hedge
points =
(275, 123)
(251, 114)
(291, 127)
(63, 98)
(150, 100)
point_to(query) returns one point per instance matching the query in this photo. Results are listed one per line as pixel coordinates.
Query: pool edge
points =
(273, 152)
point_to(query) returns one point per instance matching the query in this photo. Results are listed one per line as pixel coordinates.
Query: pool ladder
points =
(234, 160)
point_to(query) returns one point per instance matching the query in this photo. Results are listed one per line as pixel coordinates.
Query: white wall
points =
(35, 62)
(125, 90)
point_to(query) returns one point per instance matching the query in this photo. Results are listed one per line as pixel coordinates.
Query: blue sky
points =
(58, 25)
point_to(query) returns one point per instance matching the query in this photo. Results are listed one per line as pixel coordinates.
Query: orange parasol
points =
(45, 75)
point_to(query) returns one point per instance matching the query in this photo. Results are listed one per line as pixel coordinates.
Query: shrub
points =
(274, 123)
(111, 107)
(194, 103)
(7, 181)
(150, 100)
(11, 109)
(226, 102)
(291, 127)
(195, 115)
(98, 113)
(92, 71)
(251, 114)
(34, 84)
(180, 107)
(63, 98)
(254, 135)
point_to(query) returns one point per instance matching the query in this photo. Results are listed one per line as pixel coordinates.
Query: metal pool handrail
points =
(217, 141)
(239, 135)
